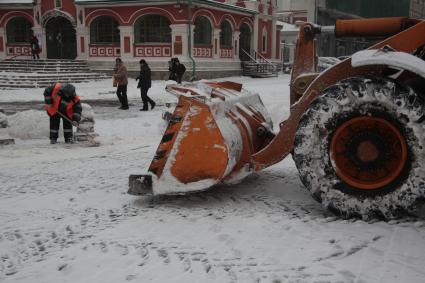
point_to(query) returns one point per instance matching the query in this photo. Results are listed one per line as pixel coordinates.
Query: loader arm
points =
(407, 36)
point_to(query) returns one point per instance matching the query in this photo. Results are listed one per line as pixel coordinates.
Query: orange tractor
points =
(356, 131)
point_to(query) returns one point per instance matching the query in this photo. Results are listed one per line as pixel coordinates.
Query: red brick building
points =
(207, 34)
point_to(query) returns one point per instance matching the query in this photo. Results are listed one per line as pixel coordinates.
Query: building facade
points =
(417, 9)
(326, 12)
(291, 11)
(208, 35)
(329, 45)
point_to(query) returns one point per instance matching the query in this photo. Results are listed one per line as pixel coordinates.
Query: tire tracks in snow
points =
(38, 243)
(52, 232)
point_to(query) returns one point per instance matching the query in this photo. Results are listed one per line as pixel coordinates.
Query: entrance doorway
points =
(60, 39)
(244, 42)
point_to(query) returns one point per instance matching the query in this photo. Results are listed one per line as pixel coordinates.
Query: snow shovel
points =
(91, 139)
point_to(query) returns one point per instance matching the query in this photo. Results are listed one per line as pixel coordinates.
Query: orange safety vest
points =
(54, 108)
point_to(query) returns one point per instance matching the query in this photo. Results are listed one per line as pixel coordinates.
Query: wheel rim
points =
(368, 152)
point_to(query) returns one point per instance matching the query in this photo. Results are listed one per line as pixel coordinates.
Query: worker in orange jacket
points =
(63, 99)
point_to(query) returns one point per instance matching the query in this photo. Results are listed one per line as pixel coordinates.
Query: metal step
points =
(257, 69)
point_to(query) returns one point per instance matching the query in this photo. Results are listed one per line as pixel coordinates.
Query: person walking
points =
(120, 76)
(144, 84)
(176, 70)
(35, 47)
(61, 101)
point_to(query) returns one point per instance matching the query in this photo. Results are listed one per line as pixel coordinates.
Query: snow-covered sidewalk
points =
(65, 215)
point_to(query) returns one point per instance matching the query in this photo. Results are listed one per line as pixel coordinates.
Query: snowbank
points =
(30, 124)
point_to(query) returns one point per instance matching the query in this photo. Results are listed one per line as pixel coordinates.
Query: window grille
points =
(18, 30)
(152, 29)
(226, 35)
(104, 29)
(203, 31)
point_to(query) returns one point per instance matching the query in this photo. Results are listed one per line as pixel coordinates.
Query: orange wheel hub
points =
(368, 153)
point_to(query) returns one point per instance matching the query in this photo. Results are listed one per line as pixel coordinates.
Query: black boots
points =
(146, 108)
(53, 141)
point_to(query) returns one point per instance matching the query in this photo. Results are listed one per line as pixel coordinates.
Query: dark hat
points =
(142, 61)
(118, 60)
(68, 89)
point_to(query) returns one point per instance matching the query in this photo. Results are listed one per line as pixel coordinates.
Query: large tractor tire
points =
(359, 148)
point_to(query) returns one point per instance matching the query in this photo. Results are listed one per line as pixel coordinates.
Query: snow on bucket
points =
(214, 130)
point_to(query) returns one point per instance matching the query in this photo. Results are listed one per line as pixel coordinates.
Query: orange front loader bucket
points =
(214, 130)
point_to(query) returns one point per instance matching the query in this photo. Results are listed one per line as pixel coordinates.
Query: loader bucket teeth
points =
(167, 137)
(209, 139)
(140, 185)
(175, 119)
(160, 153)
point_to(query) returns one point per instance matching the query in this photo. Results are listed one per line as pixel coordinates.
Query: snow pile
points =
(326, 62)
(3, 120)
(29, 124)
(87, 113)
(230, 130)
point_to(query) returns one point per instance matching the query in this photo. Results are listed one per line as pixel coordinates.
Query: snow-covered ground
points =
(65, 215)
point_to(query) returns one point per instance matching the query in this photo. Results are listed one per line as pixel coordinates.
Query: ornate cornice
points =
(58, 13)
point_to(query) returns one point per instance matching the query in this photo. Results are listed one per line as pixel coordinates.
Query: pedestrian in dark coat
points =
(176, 70)
(35, 47)
(63, 99)
(144, 84)
(120, 76)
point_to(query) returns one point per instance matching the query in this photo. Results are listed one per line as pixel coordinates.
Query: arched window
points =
(225, 34)
(203, 31)
(152, 29)
(18, 30)
(244, 42)
(104, 29)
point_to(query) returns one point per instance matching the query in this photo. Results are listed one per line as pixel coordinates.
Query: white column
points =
(237, 47)
(39, 32)
(216, 40)
(255, 34)
(37, 16)
(3, 35)
(179, 35)
(273, 53)
(126, 32)
(83, 32)
(192, 38)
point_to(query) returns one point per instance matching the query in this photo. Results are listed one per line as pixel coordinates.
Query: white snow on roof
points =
(289, 27)
(2, 2)
(208, 2)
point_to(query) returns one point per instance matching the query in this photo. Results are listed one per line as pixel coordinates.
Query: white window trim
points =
(61, 4)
